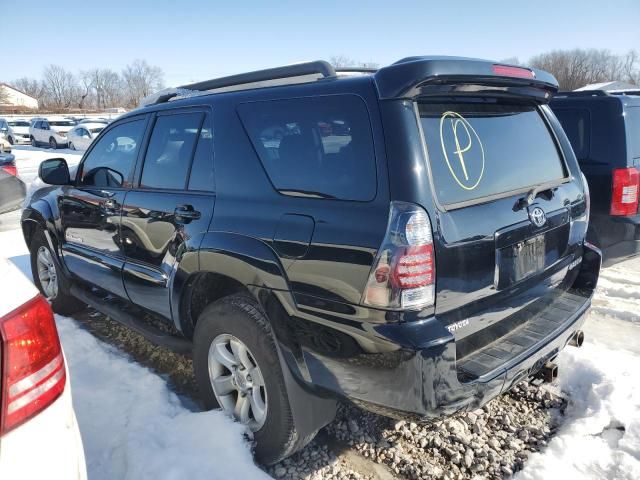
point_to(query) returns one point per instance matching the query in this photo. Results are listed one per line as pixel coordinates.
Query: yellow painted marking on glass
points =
(457, 120)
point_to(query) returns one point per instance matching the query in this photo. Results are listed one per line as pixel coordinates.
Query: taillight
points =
(33, 371)
(403, 274)
(626, 183)
(10, 169)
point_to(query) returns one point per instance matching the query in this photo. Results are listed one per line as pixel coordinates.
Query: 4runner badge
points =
(537, 216)
(462, 149)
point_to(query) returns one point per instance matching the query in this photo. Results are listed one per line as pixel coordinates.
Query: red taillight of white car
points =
(33, 370)
(404, 272)
(624, 199)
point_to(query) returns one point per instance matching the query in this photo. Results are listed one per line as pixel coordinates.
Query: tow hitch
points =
(548, 373)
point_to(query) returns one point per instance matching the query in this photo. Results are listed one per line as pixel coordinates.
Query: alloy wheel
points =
(237, 381)
(47, 273)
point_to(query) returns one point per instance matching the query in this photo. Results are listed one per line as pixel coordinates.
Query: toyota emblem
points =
(537, 216)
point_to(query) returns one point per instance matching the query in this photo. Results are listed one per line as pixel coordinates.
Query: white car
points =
(50, 131)
(39, 435)
(81, 136)
(18, 132)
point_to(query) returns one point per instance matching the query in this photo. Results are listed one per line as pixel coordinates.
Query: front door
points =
(90, 210)
(171, 207)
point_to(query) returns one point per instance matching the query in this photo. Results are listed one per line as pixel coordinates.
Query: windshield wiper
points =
(532, 194)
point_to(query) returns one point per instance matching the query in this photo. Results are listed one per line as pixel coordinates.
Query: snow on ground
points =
(132, 425)
(28, 159)
(600, 437)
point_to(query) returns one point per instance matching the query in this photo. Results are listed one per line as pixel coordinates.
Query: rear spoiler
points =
(428, 76)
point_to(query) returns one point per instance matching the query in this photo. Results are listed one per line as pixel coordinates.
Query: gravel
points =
(493, 442)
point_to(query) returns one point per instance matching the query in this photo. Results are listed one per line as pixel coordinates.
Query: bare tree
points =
(342, 61)
(141, 79)
(577, 68)
(86, 82)
(60, 86)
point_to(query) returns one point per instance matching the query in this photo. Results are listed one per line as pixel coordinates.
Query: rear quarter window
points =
(632, 123)
(576, 123)
(486, 148)
(317, 146)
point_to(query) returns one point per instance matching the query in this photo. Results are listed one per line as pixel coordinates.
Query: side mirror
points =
(54, 171)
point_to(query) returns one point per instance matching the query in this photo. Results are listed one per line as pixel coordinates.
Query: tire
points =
(62, 301)
(11, 140)
(240, 317)
(33, 142)
(71, 146)
(53, 144)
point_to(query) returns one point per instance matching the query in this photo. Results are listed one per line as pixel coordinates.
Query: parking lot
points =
(139, 416)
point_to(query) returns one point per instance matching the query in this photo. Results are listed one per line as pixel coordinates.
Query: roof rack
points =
(356, 70)
(303, 72)
(583, 93)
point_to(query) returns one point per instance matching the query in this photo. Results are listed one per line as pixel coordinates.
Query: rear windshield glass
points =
(478, 149)
(321, 146)
(633, 132)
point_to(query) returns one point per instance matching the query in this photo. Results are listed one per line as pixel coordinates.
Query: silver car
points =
(81, 136)
(15, 130)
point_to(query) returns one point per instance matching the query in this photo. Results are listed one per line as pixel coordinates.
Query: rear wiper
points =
(306, 193)
(531, 195)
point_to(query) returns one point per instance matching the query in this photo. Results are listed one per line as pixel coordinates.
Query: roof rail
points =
(583, 93)
(319, 67)
(356, 70)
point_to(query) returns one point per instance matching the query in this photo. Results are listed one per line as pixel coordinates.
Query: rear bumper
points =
(411, 370)
(618, 237)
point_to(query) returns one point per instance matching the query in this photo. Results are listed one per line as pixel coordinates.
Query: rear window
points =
(633, 132)
(320, 146)
(576, 123)
(478, 149)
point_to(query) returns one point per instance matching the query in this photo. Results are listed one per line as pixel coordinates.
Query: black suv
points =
(410, 239)
(604, 130)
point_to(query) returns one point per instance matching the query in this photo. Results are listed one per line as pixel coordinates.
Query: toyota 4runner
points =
(410, 239)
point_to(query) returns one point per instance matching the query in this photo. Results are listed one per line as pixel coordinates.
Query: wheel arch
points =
(227, 264)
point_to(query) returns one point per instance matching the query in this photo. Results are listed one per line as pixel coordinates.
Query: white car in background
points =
(18, 131)
(39, 435)
(81, 136)
(51, 131)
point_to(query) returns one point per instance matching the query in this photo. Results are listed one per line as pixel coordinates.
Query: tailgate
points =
(506, 236)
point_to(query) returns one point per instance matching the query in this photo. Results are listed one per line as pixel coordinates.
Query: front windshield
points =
(97, 130)
(61, 123)
(18, 123)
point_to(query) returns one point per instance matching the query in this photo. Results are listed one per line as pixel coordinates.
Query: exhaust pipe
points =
(548, 373)
(578, 339)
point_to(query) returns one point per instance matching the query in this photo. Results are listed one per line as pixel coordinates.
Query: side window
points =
(201, 177)
(316, 146)
(577, 125)
(110, 161)
(632, 123)
(170, 150)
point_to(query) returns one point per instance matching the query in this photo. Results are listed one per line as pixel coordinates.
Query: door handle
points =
(186, 212)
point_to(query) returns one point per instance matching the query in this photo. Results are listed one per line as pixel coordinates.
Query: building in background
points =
(13, 99)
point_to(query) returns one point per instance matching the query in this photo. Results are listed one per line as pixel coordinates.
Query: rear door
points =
(90, 210)
(506, 209)
(171, 206)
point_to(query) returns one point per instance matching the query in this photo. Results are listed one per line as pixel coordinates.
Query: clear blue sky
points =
(195, 40)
